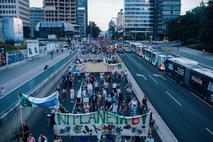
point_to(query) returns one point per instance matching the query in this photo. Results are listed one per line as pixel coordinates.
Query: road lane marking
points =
(200, 99)
(140, 75)
(207, 129)
(153, 79)
(157, 75)
(173, 98)
(134, 62)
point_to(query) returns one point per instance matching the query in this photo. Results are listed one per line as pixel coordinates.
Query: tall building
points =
(119, 23)
(145, 19)
(138, 18)
(60, 10)
(36, 16)
(82, 16)
(15, 8)
(165, 11)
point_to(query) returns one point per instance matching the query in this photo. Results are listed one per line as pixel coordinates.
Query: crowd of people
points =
(108, 91)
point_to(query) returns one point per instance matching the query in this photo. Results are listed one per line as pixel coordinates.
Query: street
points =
(188, 117)
(35, 77)
(18, 74)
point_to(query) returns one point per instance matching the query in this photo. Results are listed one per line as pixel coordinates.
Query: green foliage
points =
(10, 47)
(93, 29)
(194, 28)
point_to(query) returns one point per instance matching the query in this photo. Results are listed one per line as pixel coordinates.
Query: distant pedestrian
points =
(72, 93)
(42, 138)
(149, 139)
(25, 131)
(51, 54)
(2, 91)
(57, 139)
(64, 95)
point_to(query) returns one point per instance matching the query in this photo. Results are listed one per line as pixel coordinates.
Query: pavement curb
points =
(43, 89)
(162, 129)
(14, 105)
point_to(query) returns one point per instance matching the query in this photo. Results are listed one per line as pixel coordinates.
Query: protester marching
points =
(105, 105)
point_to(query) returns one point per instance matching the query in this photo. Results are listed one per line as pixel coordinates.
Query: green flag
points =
(24, 101)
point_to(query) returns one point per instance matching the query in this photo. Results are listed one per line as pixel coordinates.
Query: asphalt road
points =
(25, 85)
(188, 117)
(20, 73)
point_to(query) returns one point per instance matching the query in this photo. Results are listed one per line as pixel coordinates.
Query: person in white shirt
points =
(106, 85)
(72, 93)
(114, 108)
(114, 86)
(102, 76)
(42, 138)
(90, 89)
(96, 85)
(104, 94)
(133, 102)
(108, 101)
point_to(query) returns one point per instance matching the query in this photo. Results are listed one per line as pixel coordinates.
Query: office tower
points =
(138, 19)
(82, 16)
(36, 16)
(60, 10)
(15, 8)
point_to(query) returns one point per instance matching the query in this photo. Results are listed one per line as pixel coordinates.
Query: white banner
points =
(32, 48)
(100, 122)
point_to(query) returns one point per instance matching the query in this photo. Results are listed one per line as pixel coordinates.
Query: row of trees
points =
(195, 28)
(93, 30)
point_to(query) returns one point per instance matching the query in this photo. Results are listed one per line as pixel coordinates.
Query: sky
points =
(102, 11)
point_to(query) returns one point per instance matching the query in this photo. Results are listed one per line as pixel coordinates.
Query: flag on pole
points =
(47, 102)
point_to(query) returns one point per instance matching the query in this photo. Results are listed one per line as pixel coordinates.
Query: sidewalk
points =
(20, 73)
(205, 59)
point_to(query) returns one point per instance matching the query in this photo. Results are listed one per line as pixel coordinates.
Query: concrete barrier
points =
(162, 129)
(11, 123)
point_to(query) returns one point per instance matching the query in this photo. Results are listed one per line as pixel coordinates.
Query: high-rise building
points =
(60, 10)
(119, 23)
(138, 18)
(15, 8)
(82, 16)
(165, 11)
(143, 19)
(36, 16)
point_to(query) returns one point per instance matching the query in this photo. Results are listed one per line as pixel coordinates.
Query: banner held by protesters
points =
(100, 122)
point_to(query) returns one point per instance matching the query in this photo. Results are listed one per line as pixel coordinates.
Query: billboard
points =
(12, 29)
(3, 59)
(51, 46)
(32, 48)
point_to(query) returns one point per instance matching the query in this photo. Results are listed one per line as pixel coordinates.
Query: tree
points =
(194, 29)
(207, 32)
(93, 29)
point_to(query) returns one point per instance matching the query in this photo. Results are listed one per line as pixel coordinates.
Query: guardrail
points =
(11, 99)
(162, 129)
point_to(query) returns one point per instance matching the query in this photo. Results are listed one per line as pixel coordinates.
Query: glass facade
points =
(12, 29)
(138, 18)
(82, 18)
(166, 10)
